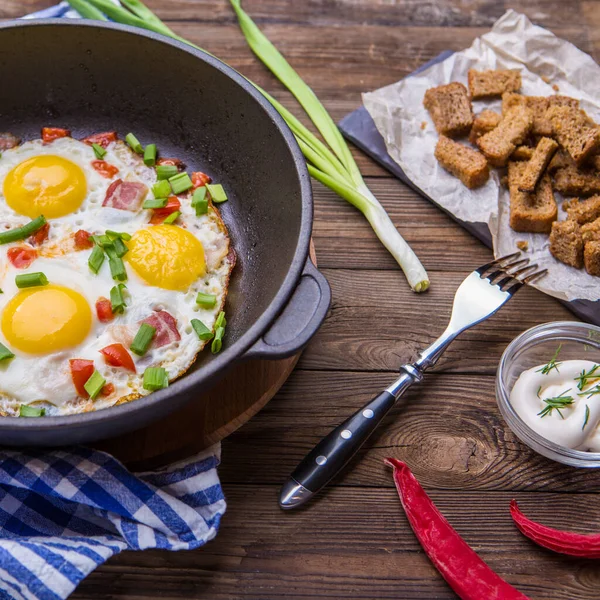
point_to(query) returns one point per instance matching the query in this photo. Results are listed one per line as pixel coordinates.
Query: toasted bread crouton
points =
(522, 153)
(566, 243)
(465, 163)
(530, 213)
(523, 245)
(575, 132)
(560, 160)
(535, 167)
(583, 211)
(591, 257)
(484, 122)
(558, 100)
(500, 143)
(590, 232)
(450, 109)
(490, 84)
(595, 162)
(571, 181)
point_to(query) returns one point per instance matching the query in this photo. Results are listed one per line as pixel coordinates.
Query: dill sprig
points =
(591, 392)
(556, 403)
(587, 417)
(552, 364)
(584, 377)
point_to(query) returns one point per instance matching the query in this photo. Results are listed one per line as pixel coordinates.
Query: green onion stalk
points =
(329, 162)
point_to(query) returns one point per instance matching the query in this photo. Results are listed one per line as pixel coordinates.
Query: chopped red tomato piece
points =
(102, 139)
(160, 214)
(174, 162)
(199, 179)
(107, 389)
(81, 371)
(49, 134)
(104, 310)
(40, 236)
(21, 256)
(105, 169)
(117, 356)
(82, 240)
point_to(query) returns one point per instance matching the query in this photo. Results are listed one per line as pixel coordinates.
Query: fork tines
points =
(510, 272)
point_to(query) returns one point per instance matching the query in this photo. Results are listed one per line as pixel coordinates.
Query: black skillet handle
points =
(299, 320)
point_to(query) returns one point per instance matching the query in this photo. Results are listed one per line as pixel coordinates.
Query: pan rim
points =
(235, 351)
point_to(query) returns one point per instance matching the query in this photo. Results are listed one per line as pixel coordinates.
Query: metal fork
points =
(478, 297)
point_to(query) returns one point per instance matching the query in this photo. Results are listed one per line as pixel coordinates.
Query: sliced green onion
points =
(99, 151)
(87, 11)
(27, 280)
(206, 300)
(116, 234)
(102, 240)
(180, 183)
(96, 259)
(172, 218)
(94, 384)
(200, 201)
(217, 343)
(143, 338)
(117, 267)
(155, 202)
(31, 411)
(120, 248)
(166, 171)
(117, 302)
(20, 233)
(220, 321)
(203, 332)
(134, 143)
(155, 378)
(150, 155)
(161, 189)
(5, 353)
(217, 193)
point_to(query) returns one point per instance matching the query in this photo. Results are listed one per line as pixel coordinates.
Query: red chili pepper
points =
(102, 139)
(565, 542)
(21, 256)
(104, 310)
(82, 240)
(199, 179)
(105, 169)
(173, 162)
(81, 371)
(49, 134)
(457, 562)
(117, 356)
(160, 214)
(107, 389)
(40, 236)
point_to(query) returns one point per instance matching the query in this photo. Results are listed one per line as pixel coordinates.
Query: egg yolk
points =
(46, 319)
(45, 185)
(166, 256)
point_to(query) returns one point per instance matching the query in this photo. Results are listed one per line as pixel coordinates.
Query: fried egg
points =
(47, 326)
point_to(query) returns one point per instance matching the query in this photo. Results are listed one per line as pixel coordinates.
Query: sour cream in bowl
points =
(548, 391)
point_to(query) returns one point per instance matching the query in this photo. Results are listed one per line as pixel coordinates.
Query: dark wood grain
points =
(354, 541)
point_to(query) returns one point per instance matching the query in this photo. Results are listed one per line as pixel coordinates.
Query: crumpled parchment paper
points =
(545, 61)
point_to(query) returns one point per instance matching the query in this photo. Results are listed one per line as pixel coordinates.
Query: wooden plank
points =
(354, 543)
(448, 430)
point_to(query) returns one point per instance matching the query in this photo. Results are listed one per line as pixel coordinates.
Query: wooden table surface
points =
(355, 542)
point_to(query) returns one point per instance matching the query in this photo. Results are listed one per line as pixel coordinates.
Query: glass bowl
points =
(536, 346)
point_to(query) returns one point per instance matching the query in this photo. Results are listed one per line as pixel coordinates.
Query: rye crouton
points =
(522, 153)
(500, 143)
(450, 109)
(490, 84)
(465, 163)
(538, 105)
(566, 243)
(483, 123)
(535, 167)
(571, 181)
(530, 212)
(583, 211)
(591, 257)
(575, 132)
(560, 160)
(590, 232)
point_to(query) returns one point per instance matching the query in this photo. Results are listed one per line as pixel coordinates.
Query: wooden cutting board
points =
(212, 416)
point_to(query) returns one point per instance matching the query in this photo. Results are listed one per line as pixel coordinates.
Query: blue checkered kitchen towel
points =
(64, 512)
